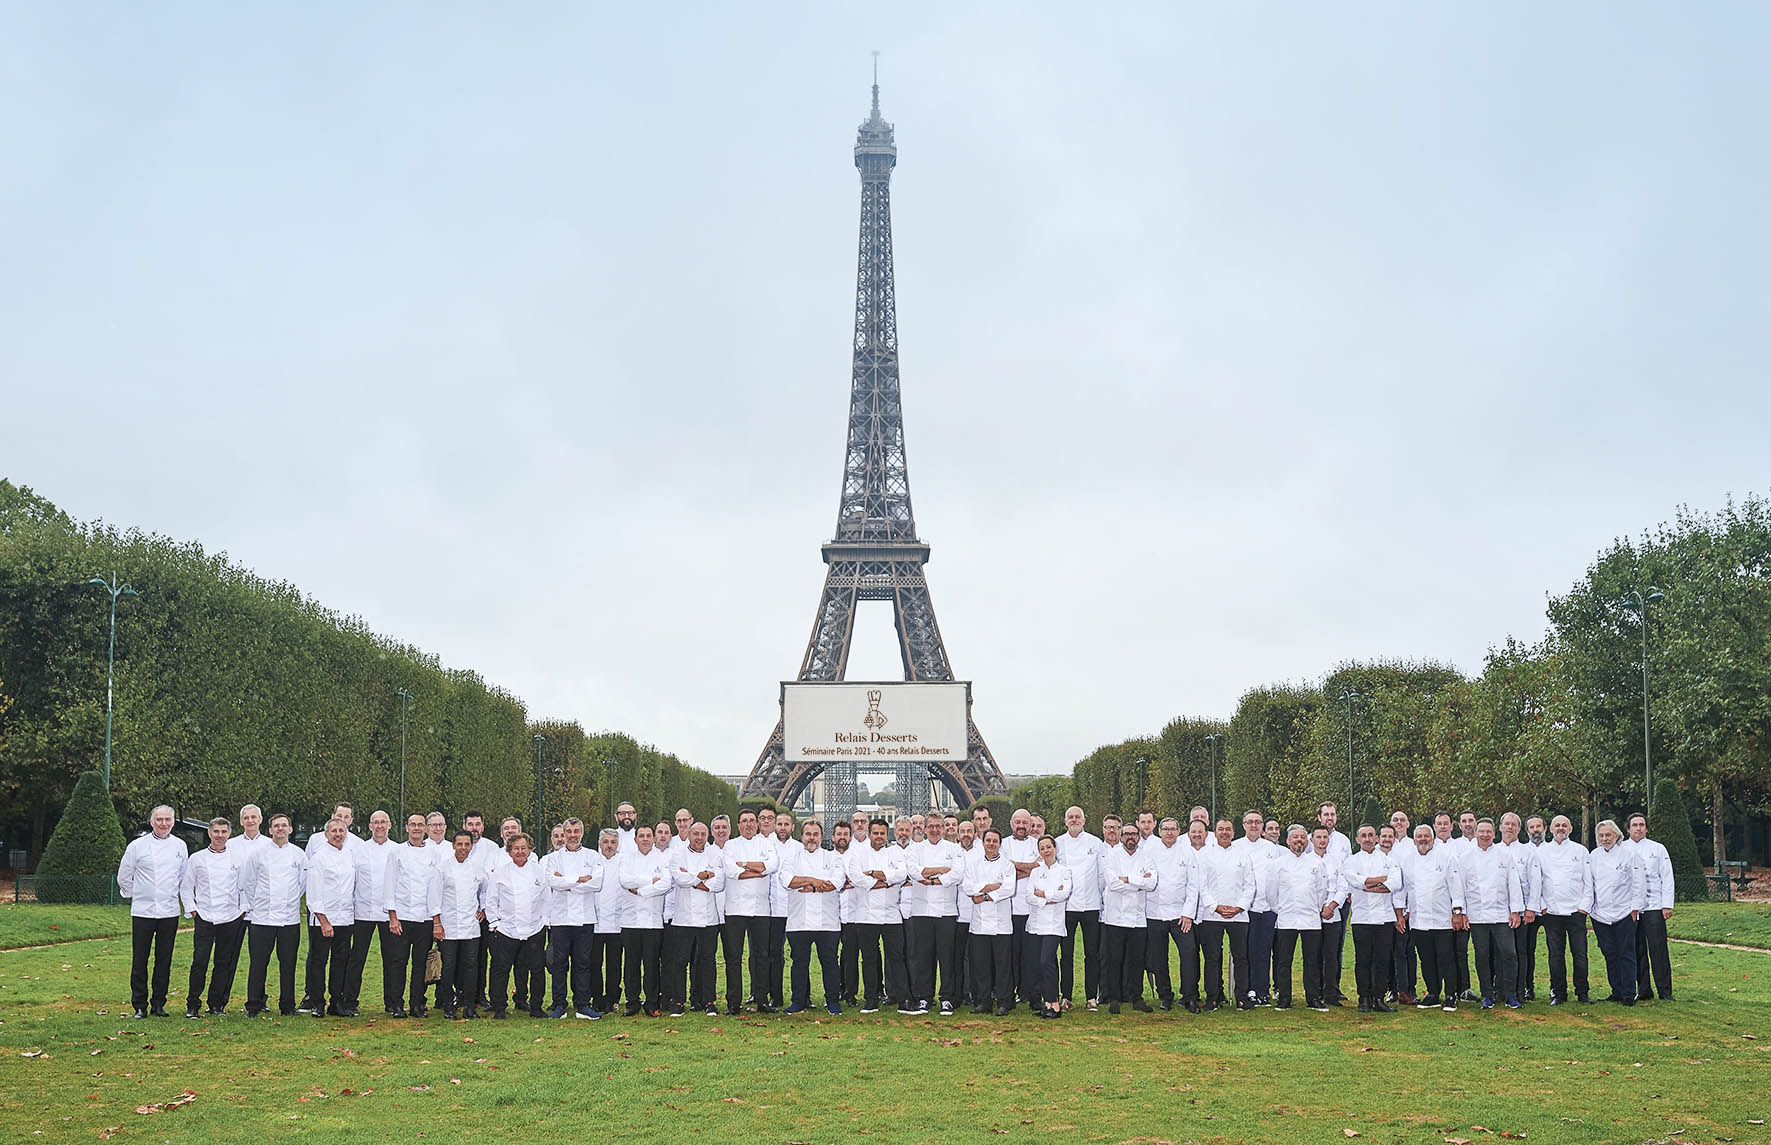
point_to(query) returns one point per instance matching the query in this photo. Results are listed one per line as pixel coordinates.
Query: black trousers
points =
(1371, 959)
(222, 939)
(571, 961)
(605, 951)
(525, 956)
(411, 945)
(1089, 923)
(1437, 979)
(1261, 925)
(992, 964)
(909, 963)
(155, 935)
(1496, 965)
(1284, 943)
(1157, 934)
(777, 961)
(641, 958)
(1334, 935)
(1528, 957)
(459, 987)
(1211, 941)
(871, 936)
(692, 956)
(1651, 950)
(933, 943)
(1566, 934)
(962, 958)
(1045, 961)
(1018, 942)
(361, 932)
(851, 962)
(1402, 974)
(1617, 944)
(483, 960)
(328, 961)
(260, 941)
(824, 942)
(1122, 958)
(1460, 961)
(738, 929)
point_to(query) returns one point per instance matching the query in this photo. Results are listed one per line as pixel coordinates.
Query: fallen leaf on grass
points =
(454, 1081)
(184, 1098)
(1457, 1141)
(31, 1053)
(733, 1101)
(1350, 1132)
(418, 1088)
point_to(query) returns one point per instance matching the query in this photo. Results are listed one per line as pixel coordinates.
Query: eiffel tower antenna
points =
(875, 553)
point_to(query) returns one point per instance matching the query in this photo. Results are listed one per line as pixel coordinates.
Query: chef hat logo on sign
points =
(875, 718)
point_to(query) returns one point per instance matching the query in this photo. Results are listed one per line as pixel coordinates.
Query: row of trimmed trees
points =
(231, 688)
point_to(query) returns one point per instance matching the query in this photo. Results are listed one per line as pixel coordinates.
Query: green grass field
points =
(1740, 923)
(1697, 1068)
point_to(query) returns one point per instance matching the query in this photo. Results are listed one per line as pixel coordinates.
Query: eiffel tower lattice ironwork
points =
(875, 554)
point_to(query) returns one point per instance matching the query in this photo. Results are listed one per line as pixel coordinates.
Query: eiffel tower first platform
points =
(875, 554)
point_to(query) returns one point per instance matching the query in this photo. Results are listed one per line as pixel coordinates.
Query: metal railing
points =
(92, 890)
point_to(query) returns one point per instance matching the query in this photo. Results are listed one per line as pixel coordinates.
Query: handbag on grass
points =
(433, 966)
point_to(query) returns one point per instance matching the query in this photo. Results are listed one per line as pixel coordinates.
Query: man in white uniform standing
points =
(149, 877)
(211, 890)
(1082, 853)
(1651, 939)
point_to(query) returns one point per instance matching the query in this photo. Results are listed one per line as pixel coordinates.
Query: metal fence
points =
(94, 890)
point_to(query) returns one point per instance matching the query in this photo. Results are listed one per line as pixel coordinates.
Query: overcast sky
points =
(1237, 339)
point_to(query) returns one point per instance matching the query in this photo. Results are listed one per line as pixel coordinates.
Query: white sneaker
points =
(1093, 1005)
(946, 1009)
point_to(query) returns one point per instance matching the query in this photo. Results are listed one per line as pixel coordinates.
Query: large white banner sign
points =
(888, 723)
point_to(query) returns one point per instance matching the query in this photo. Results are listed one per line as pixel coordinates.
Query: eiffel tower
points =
(875, 554)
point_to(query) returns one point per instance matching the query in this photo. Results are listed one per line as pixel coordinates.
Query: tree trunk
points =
(1717, 826)
(39, 833)
(1586, 823)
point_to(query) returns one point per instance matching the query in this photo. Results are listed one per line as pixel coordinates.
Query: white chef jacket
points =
(332, 886)
(1299, 890)
(647, 877)
(995, 916)
(1128, 881)
(1657, 871)
(1227, 880)
(1331, 876)
(1262, 855)
(1046, 915)
(318, 840)
(243, 849)
(696, 907)
(1564, 879)
(1082, 853)
(1493, 885)
(750, 898)
(848, 897)
(1524, 856)
(961, 900)
(904, 894)
(1619, 883)
(778, 897)
(1021, 851)
(877, 907)
(610, 895)
(1431, 889)
(274, 880)
(812, 910)
(414, 888)
(461, 887)
(210, 886)
(1371, 908)
(371, 894)
(570, 902)
(941, 900)
(486, 853)
(1340, 848)
(516, 899)
(150, 874)
(1177, 881)
(624, 842)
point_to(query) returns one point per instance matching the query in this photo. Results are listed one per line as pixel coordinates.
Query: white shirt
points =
(516, 899)
(244, 848)
(610, 895)
(150, 874)
(877, 906)
(1657, 871)
(904, 893)
(848, 897)
(1021, 851)
(274, 880)
(318, 840)
(778, 897)
(211, 886)
(1564, 879)
(1299, 890)
(1371, 908)
(810, 910)
(961, 900)
(371, 860)
(1046, 915)
(995, 916)
(1128, 880)
(1262, 855)
(414, 888)
(1493, 885)
(695, 906)
(749, 898)
(1082, 853)
(571, 902)
(1340, 848)
(461, 887)
(624, 844)
(1433, 889)
(1619, 883)
(1331, 876)
(942, 899)
(332, 885)
(1227, 880)
(1177, 881)
(647, 879)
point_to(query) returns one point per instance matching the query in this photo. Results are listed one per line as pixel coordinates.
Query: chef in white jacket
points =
(1082, 853)
(214, 899)
(1563, 898)
(606, 949)
(752, 861)
(1494, 905)
(936, 867)
(516, 903)
(1226, 892)
(1374, 879)
(1432, 900)
(1301, 896)
(1334, 923)
(331, 913)
(1651, 939)
(1170, 910)
(460, 911)
(645, 876)
(414, 899)
(371, 857)
(877, 868)
(698, 872)
(576, 878)
(1051, 885)
(149, 877)
(811, 880)
(273, 877)
(1620, 894)
(1128, 875)
(989, 885)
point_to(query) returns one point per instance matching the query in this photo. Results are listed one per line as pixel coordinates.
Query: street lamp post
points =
(1349, 695)
(609, 766)
(1143, 762)
(1637, 601)
(116, 590)
(1214, 746)
(539, 740)
(405, 698)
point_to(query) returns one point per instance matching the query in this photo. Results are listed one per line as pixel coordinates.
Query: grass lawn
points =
(1741, 923)
(28, 924)
(1697, 1067)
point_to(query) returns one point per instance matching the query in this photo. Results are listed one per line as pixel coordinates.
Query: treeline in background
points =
(1553, 726)
(231, 689)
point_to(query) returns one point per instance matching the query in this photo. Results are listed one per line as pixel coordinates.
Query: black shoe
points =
(1165, 1004)
(484, 1003)
(734, 1011)
(472, 1012)
(1210, 1006)
(1585, 999)
(449, 1013)
(631, 1012)
(1245, 1004)
(1004, 1009)
(349, 1012)
(1193, 1007)
(1556, 1000)
(1113, 1007)
(1382, 1007)
(1665, 997)
(768, 1008)
(980, 1009)
(193, 1012)
(157, 1011)
(138, 1013)
(499, 1015)
(1364, 1006)
(397, 1012)
(419, 1011)
(1140, 1006)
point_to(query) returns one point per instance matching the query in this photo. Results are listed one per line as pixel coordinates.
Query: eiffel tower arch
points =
(875, 554)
